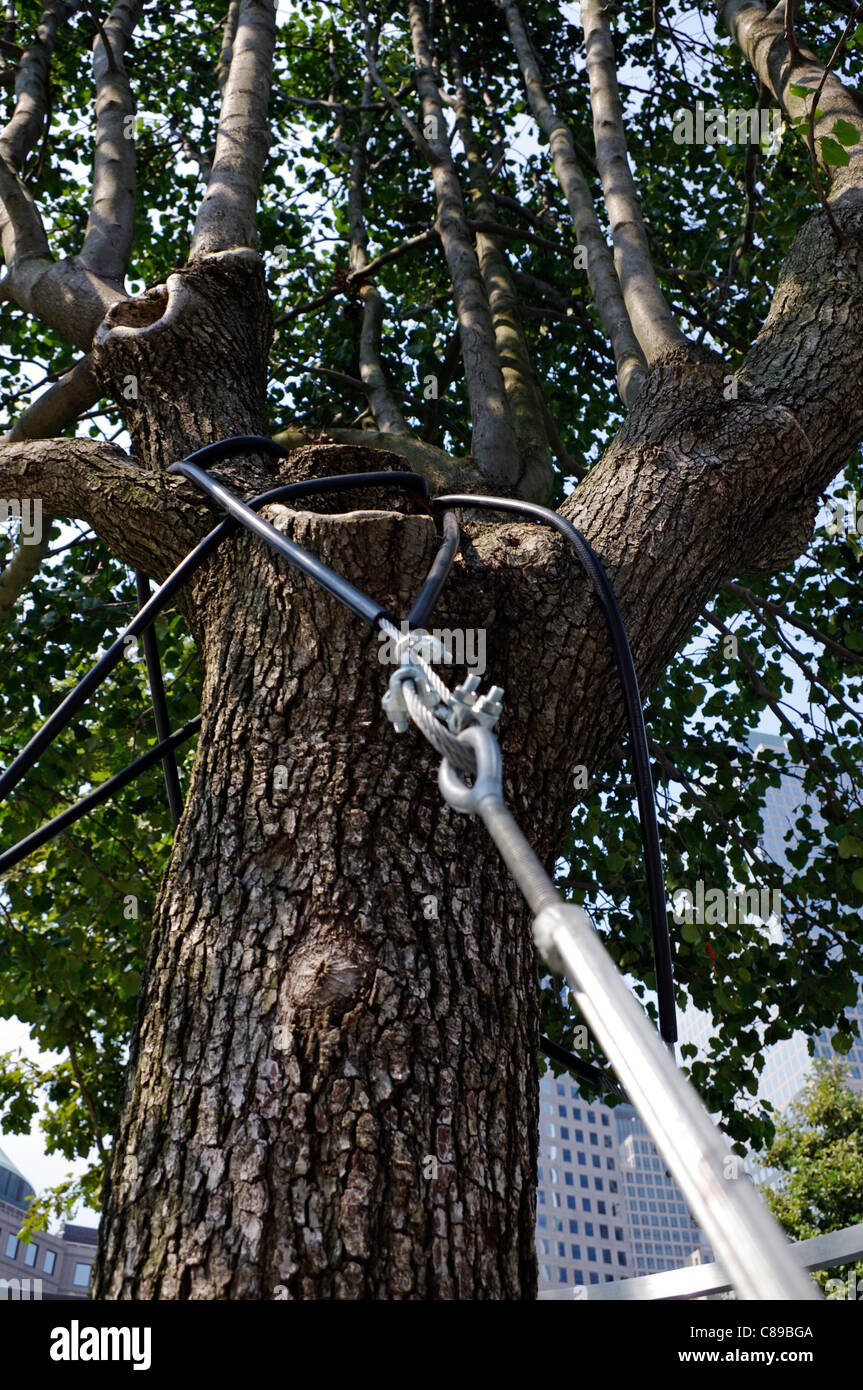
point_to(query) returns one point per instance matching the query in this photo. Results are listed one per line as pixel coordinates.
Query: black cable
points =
(160, 706)
(586, 1071)
(150, 610)
(635, 720)
(97, 797)
(353, 598)
(430, 592)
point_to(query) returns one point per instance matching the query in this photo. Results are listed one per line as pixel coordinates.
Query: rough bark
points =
(308, 1037)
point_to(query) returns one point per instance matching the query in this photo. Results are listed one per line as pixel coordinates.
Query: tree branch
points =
(495, 449)
(529, 417)
(31, 86)
(649, 313)
(226, 218)
(148, 520)
(761, 38)
(110, 228)
(602, 277)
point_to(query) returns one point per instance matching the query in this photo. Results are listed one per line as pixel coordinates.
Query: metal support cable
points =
(642, 775)
(749, 1243)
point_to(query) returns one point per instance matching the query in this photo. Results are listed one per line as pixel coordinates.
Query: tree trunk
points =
(333, 1092)
(333, 1087)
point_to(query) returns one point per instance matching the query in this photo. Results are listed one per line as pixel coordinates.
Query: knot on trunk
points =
(186, 361)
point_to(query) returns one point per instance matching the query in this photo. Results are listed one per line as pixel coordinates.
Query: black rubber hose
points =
(97, 797)
(161, 717)
(430, 592)
(369, 609)
(635, 720)
(78, 697)
(586, 1071)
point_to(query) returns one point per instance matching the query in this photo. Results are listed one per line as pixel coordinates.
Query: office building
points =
(606, 1206)
(48, 1266)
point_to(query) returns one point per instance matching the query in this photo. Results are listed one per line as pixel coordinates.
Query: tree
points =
(408, 198)
(819, 1157)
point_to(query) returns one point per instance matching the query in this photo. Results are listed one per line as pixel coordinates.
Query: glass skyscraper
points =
(606, 1205)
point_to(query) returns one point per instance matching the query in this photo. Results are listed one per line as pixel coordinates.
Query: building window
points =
(541, 1221)
(621, 1257)
(561, 1276)
(612, 1186)
(585, 1203)
(570, 1201)
(591, 1255)
(573, 1229)
(618, 1233)
(603, 1233)
(30, 1253)
(576, 1252)
(568, 1180)
(561, 1090)
(596, 1160)
(544, 1247)
(582, 1158)
(594, 1138)
(49, 1262)
(600, 1207)
(561, 1250)
(540, 1197)
(594, 1278)
(588, 1228)
(564, 1131)
(579, 1136)
(567, 1155)
(81, 1277)
(605, 1120)
(606, 1257)
(583, 1181)
(11, 1247)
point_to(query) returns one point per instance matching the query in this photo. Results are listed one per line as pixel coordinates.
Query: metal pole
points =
(747, 1240)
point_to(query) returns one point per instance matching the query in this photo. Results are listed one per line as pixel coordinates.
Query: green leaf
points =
(850, 847)
(832, 153)
(845, 132)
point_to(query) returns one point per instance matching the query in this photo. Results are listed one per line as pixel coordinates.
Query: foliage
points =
(720, 220)
(818, 1157)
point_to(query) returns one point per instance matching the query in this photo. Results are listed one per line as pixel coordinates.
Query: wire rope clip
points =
(488, 780)
(466, 707)
(425, 644)
(393, 701)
